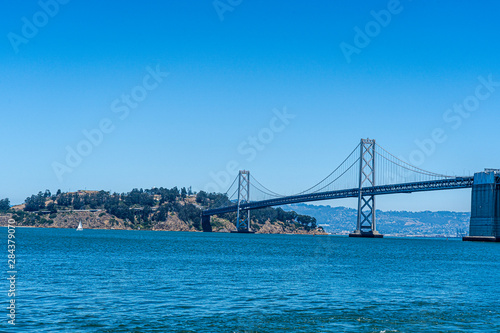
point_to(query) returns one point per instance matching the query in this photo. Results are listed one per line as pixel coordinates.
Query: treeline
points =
(137, 206)
(260, 216)
(101, 199)
(147, 207)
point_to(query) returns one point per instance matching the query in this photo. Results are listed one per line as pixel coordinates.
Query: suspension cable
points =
(277, 194)
(234, 181)
(412, 166)
(331, 172)
(343, 173)
(266, 193)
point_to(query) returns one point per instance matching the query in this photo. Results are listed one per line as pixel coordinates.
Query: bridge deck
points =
(435, 185)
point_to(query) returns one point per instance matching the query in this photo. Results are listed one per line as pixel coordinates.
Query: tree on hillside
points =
(201, 198)
(64, 200)
(172, 194)
(189, 213)
(262, 215)
(112, 200)
(120, 210)
(35, 202)
(78, 203)
(86, 199)
(139, 197)
(4, 204)
(314, 224)
(161, 214)
(285, 216)
(133, 197)
(51, 207)
(145, 213)
(307, 221)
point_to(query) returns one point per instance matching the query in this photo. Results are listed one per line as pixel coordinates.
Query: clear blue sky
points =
(226, 76)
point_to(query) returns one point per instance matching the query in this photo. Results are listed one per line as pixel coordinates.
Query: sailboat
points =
(80, 228)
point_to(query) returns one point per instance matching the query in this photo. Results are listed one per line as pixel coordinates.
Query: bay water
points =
(155, 281)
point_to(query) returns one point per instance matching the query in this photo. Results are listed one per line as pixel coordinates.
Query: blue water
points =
(145, 281)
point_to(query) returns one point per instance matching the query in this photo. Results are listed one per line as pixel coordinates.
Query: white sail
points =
(79, 226)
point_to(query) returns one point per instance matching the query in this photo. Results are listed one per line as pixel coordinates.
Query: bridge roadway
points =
(434, 185)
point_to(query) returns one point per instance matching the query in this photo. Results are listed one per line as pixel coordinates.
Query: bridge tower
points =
(366, 224)
(242, 215)
(485, 209)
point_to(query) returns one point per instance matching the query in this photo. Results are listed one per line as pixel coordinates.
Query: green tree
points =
(307, 221)
(51, 207)
(161, 214)
(4, 204)
(189, 213)
(171, 195)
(78, 203)
(201, 198)
(86, 199)
(314, 224)
(35, 202)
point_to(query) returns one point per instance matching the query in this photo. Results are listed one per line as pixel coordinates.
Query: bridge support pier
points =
(485, 210)
(370, 234)
(366, 224)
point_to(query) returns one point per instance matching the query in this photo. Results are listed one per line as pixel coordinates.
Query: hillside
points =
(151, 209)
(342, 220)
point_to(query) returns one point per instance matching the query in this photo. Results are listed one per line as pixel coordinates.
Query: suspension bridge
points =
(369, 170)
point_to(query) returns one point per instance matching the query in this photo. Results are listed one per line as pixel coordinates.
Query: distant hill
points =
(342, 220)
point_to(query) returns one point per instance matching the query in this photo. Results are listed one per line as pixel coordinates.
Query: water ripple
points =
(130, 281)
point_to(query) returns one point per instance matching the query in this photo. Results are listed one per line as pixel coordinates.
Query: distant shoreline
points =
(223, 232)
(193, 231)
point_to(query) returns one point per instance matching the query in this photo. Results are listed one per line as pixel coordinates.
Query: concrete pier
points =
(370, 234)
(205, 223)
(485, 209)
(242, 231)
(480, 239)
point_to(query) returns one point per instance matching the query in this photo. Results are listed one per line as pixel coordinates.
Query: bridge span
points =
(391, 171)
